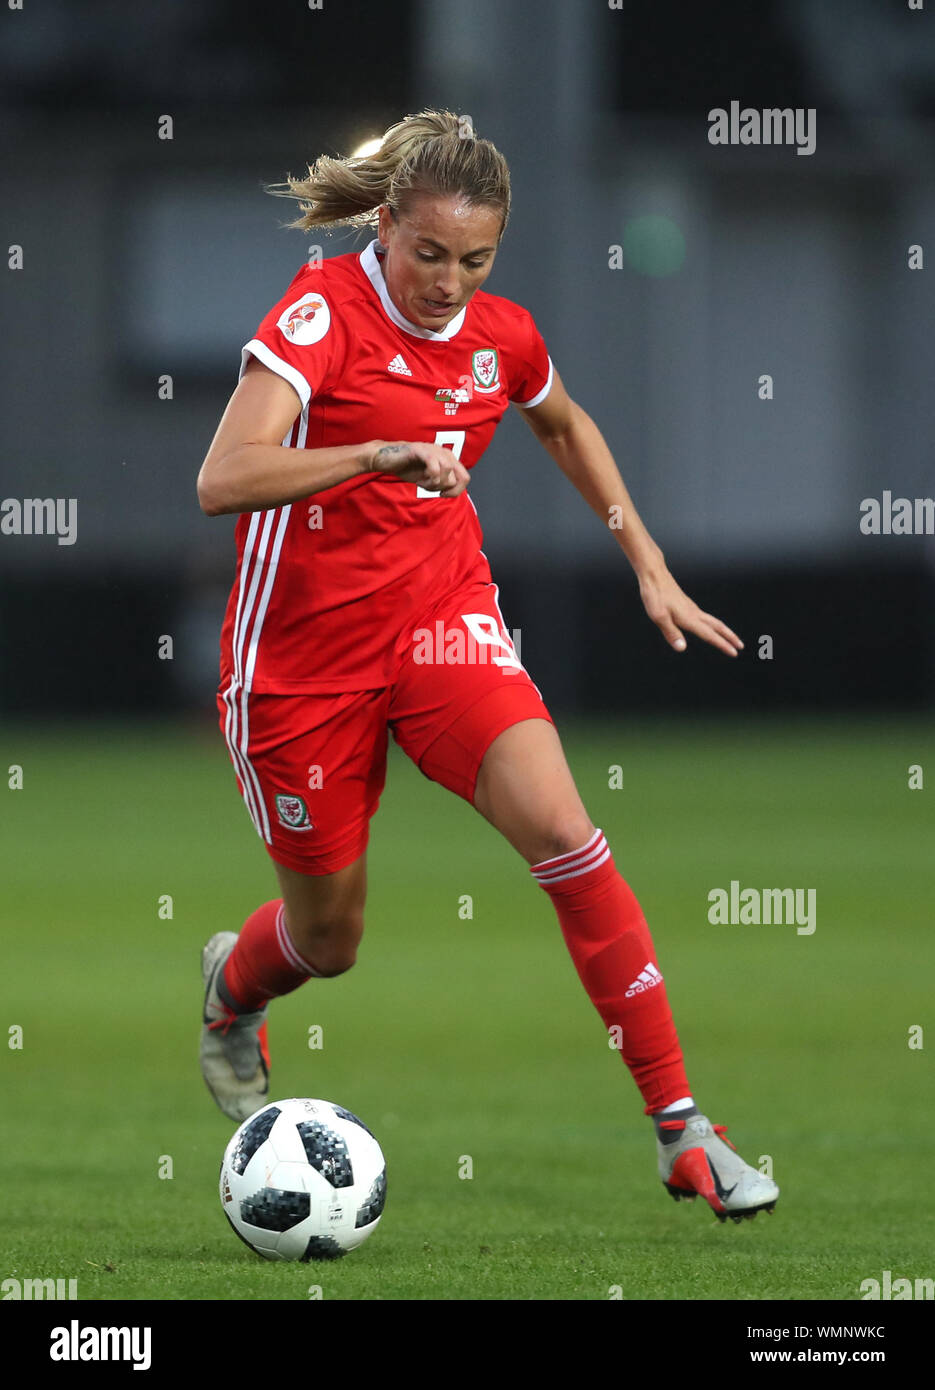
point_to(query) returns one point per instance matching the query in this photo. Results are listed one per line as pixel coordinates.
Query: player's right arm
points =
(247, 468)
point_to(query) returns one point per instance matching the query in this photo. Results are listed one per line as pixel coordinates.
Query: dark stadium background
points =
(146, 257)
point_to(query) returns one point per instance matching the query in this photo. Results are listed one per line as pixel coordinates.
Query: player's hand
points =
(429, 466)
(674, 613)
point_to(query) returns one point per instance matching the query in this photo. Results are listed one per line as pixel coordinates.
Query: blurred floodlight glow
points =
(369, 147)
(654, 245)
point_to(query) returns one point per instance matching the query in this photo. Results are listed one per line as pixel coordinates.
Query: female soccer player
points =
(367, 395)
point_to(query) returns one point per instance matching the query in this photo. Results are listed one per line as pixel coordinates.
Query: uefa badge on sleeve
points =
(306, 321)
(292, 812)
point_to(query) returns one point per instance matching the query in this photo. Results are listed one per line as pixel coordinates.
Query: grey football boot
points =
(234, 1052)
(696, 1160)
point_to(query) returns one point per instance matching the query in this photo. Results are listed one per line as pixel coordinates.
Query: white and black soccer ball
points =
(303, 1180)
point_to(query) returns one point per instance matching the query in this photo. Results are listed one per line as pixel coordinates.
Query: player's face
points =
(438, 252)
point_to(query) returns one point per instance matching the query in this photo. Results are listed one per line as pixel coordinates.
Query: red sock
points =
(264, 963)
(608, 939)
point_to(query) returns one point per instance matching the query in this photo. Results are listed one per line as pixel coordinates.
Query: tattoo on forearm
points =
(389, 454)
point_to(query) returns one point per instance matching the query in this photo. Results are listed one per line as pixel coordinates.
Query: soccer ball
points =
(303, 1180)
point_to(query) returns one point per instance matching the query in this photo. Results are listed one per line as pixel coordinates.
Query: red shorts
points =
(311, 768)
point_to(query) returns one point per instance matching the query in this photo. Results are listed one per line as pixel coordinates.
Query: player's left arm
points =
(578, 447)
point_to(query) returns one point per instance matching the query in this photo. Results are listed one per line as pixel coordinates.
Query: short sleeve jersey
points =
(327, 588)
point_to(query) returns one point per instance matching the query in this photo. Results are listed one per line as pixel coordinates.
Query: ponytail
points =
(433, 152)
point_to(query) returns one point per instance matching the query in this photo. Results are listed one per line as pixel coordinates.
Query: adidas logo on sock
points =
(399, 365)
(644, 980)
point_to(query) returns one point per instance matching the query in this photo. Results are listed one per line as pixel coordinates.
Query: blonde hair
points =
(433, 152)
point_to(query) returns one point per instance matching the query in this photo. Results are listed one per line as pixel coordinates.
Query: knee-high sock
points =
(612, 949)
(264, 963)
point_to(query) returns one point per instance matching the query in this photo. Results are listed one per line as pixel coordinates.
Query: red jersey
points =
(328, 587)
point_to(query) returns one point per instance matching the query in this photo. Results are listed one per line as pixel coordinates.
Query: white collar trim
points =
(374, 272)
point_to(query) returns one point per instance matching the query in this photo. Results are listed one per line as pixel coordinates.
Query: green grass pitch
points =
(459, 1037)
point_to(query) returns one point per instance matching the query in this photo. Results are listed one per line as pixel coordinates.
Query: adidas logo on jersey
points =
(398, 365)
(644, 980)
